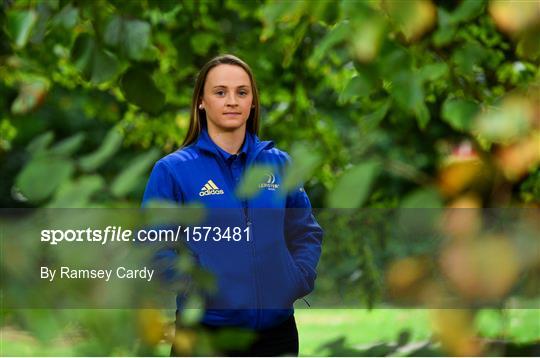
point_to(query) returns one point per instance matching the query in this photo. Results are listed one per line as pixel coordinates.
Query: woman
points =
(273, 262)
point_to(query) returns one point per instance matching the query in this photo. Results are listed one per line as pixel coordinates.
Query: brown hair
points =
(198, 116)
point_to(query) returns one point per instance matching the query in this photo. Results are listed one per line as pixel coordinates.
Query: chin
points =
(231, 125)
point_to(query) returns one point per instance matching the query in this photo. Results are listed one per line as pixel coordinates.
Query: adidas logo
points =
(210, 188)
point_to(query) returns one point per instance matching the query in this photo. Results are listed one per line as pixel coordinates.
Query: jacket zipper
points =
(255, 271)
(248, 223)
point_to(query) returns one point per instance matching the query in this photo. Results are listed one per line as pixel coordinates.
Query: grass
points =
(319, 327)
(360, 327)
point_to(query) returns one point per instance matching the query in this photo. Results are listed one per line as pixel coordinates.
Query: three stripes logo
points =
(210, 188)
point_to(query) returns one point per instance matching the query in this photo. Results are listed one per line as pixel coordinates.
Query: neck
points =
(229, 141)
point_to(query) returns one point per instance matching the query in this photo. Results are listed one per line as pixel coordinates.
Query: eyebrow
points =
(223, 86)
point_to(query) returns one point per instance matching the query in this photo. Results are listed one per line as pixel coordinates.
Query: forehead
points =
(228, 76)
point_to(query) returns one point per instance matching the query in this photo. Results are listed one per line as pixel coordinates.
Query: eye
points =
(220, 93)
(243, 93)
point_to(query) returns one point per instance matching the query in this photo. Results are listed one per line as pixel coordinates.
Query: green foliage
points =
(128, 178)
(131, 37)
(139, 88)
(249, 186)
(304, 163)
(459, 113)
(374, 100)
(353, 186)
(110, 145)
(96, 64)
(42, 176)
(20, 24)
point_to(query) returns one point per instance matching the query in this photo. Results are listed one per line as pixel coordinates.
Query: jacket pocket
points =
(300, 283)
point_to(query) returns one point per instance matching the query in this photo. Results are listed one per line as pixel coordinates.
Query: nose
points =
(231, 100)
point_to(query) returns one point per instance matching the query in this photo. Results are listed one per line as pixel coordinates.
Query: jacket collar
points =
(252, 145)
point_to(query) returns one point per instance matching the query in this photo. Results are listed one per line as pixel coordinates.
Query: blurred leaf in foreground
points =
(352, 188)
(253, 177)
(520, 158)
(304, 162)
(110, 145)
(42, 175)
(133, 173)
(459, 113)
(20, 24)
(413, 17)
(507, 122)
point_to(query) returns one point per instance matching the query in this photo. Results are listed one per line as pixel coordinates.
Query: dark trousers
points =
(281, 340)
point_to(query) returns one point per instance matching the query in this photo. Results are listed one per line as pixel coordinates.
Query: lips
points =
(232, 113)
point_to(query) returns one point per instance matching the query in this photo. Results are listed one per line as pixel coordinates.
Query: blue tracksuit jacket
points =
(258, 279)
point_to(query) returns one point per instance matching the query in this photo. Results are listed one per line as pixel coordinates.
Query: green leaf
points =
(194, 311)
(459, 113)
(139, 88)
(374, 118)
(422, 115)
(505, 123)
(110, 145)
(467, 10)
(423, 198)
(528, 46)
(104, 67)
(408, 92)
(336, 35)
(42, 175)
(304, 162)
(469, 55)
(419, 214)
(113, 32)
(352, 188)
(201, 43)
(446, 31)
(77, 194)
(68, 146)
(67, 17)
(444, 36)
(274, 12)
(135, 171)
(367, 37)
(82, 52)
(394, 59)
(130, 37)
(250, 184)
(40, 143)
(20, 24)
(358, 86)
(96, 64)
(433, 71)
(137, 38)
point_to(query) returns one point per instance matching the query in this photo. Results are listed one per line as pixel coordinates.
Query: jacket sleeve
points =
(161, 186)
(303, 235)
